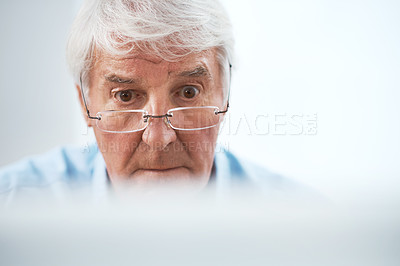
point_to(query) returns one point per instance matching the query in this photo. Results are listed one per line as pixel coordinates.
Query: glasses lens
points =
(194, 118)
(121, 121)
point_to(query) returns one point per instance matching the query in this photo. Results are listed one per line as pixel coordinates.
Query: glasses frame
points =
(146, 116)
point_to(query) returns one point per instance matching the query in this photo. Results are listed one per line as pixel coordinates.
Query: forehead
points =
(141, 64)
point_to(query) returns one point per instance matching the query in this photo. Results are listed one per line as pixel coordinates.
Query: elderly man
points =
(153, 80)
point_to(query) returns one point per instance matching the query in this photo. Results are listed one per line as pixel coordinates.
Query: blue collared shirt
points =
(69, 168)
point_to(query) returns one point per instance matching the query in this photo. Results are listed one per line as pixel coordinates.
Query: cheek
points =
(200, 145)
(117, 149)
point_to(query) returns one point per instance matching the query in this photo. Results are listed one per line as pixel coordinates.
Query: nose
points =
(158, 134)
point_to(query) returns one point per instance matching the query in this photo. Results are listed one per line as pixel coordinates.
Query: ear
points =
(82, 105)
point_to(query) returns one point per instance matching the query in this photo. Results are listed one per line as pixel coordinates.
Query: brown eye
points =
(125, 96)
(189, 92)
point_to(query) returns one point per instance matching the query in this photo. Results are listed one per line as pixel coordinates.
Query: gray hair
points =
(170, 29)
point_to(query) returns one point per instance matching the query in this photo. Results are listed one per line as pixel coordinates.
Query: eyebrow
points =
(116, 79)
(199, 71)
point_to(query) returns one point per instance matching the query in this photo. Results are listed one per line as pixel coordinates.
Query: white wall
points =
(336, 59)
(38, 104)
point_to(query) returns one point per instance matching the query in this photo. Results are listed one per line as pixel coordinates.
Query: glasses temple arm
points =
(229, 91)
(84, 101)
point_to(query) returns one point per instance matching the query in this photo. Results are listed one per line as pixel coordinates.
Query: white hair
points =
(169, 29)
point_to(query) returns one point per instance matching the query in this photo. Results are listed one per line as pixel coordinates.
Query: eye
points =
(189, 92)
(125, 96)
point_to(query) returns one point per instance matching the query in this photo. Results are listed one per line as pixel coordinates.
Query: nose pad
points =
(150, 120)
(167, 122)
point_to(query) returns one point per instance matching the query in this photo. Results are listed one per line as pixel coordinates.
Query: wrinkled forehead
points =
(204, 63)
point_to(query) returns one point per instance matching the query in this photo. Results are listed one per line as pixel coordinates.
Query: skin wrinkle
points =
(116, 79)
(197, 72)
(158, 146)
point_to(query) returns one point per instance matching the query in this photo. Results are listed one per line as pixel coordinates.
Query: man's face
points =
(158, 154)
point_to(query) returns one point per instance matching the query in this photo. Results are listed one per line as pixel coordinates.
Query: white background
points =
(336, 59)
